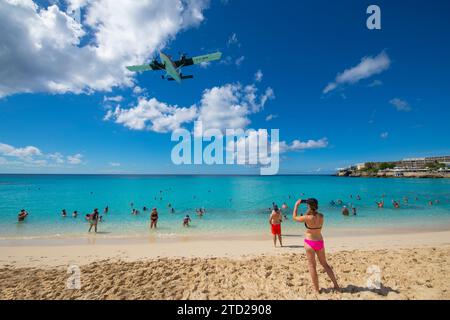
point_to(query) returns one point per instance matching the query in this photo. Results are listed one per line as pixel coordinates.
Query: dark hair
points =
(313, 205)
(275, 207)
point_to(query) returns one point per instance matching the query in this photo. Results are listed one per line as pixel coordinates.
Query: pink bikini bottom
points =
(316, 245)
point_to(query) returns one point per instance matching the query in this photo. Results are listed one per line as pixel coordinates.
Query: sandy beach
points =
(412, 266)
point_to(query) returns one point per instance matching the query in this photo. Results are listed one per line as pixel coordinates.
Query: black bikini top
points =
(307, 227)
(312, 228)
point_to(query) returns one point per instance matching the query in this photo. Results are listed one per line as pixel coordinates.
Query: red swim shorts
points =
(276, 229)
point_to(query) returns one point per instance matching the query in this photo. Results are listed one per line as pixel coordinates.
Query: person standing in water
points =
(93, 220)
(153, 218)
(275, 220)
(22, 215)
(186, 221)
(314, 244)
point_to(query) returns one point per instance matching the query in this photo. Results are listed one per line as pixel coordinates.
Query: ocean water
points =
(234, 204)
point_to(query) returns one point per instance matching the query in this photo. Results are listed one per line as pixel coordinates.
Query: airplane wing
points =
(207, 57)
(141, 68)
(198, 59)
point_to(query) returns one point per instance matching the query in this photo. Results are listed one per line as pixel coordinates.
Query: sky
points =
(338, 92)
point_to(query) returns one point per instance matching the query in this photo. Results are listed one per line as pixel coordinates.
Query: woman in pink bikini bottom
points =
(314, 244)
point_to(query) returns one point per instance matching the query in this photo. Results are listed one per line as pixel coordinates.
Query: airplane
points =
(172, 68)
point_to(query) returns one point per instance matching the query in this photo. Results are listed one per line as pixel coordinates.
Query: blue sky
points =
(399, 109)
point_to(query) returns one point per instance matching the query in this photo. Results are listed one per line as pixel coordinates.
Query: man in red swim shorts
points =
(275, 223)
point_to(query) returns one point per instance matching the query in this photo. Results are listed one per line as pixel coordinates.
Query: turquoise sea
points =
(234, 204)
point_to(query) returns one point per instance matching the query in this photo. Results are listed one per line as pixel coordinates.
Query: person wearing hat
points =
(275, 224)
(314, 244)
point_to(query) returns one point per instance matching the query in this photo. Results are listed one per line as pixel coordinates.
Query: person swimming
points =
(22, 215)
(354, 211)
(172, 210)
(314, 243)
(64, 213)
(106, 210)
(380, 204)
(396, 204)
(186, 221)
(75, 214)
(345, 211)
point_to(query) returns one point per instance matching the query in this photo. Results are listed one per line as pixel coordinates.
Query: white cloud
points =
(268, 95)
(22, 153)
(113, 99)
(57, 157)
(368, 67)
(384, 135)
(75, 159)
(233, 40)
(31, 156)
(229, 106)
(298, 145)
(152, 115)
(47, 50)
(239, 61)
(270, 117)
(375, 83)
(205, 64)
(242, 153)
(400, 105)
(114, 164)
(225, 107)
(138, 90)
(259, 76)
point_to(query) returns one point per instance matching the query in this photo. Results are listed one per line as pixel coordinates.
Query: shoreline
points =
(391, 175)
(184, 235)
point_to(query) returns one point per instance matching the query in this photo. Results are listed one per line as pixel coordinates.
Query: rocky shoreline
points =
(363, 174)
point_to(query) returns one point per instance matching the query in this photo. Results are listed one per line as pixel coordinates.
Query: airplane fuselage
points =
(170, 67)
